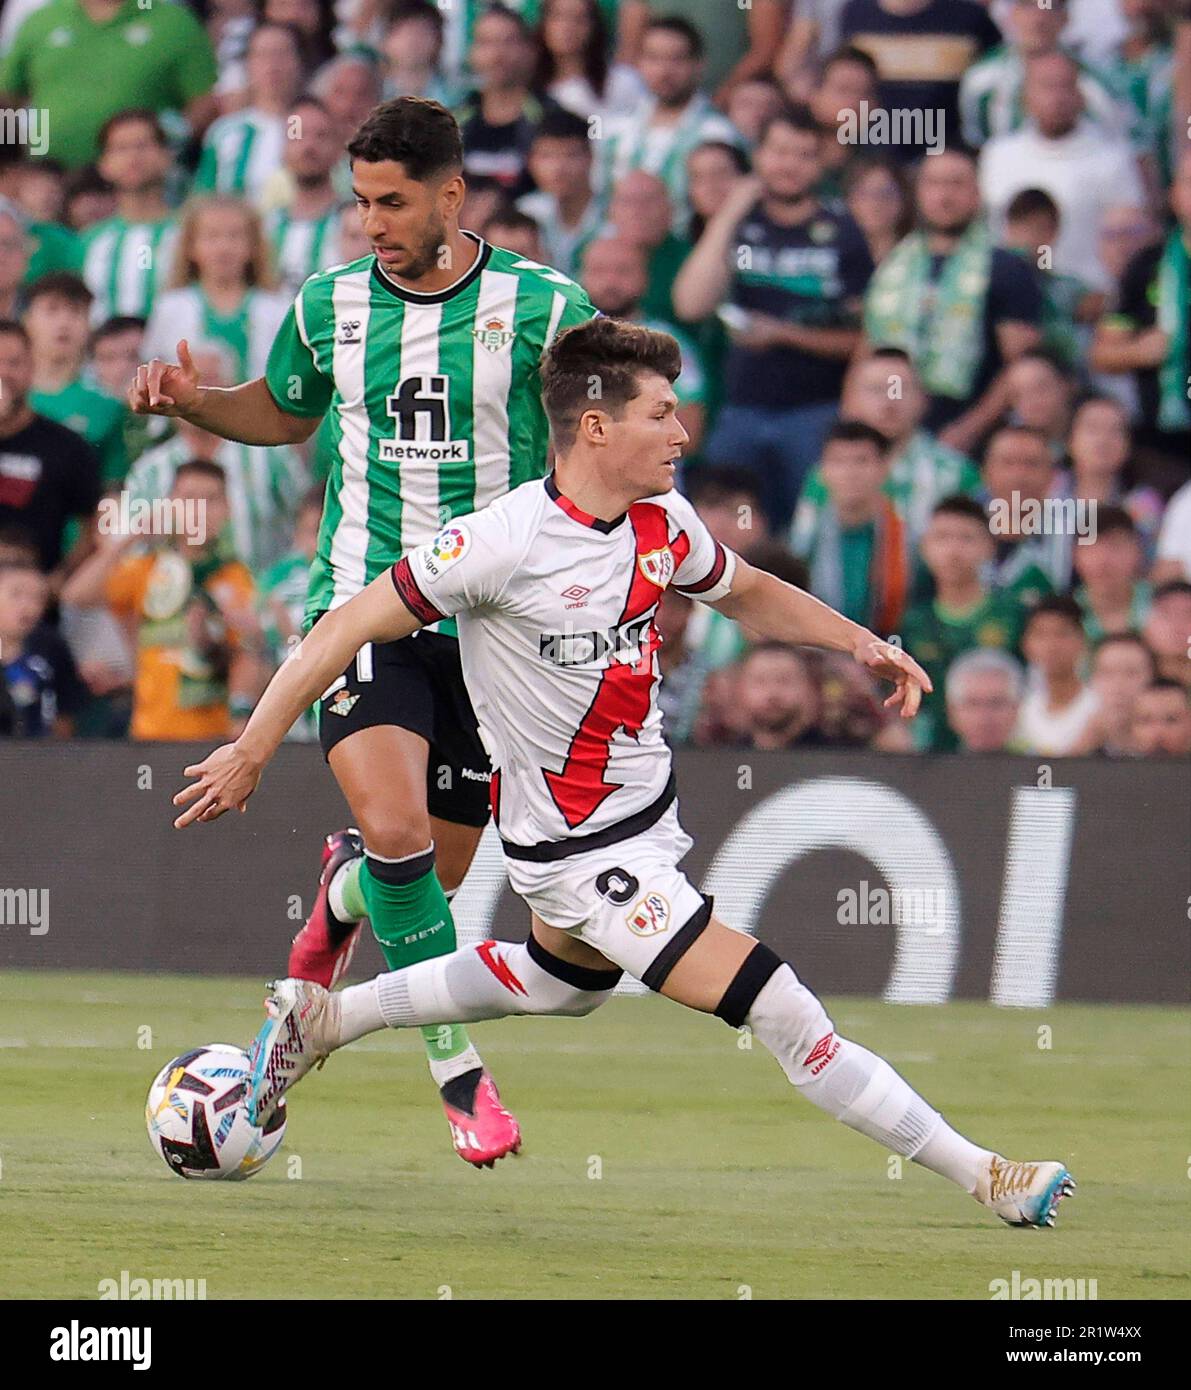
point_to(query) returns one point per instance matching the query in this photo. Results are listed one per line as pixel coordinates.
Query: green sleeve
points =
(579, 309)
(14, 66)
(970, 481)
(113, 452)
(56, 248)
(292, 374)
(197, 71)
(204, 175)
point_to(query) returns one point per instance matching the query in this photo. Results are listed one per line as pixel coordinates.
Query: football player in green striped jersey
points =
(424, 358)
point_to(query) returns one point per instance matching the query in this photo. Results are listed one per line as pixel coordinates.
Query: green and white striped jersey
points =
(921, 474)
(241, 153)
(991, 99)
(126, 263)
(264, 489)
(434, 400)
(634, 142)
(247, 332)
(301, 246)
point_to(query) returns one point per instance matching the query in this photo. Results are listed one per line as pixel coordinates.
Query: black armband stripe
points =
(754, 974)
(677, 947)
(578, 976)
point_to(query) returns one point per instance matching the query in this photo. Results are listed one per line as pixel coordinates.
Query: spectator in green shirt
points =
(114, 357)
(615, 274)
(640, 209)
(40, 192)
(56, 321)
(80, 61)
(883, 389)
(1018, 475)
(856, 544)
(1069, 306)
(1113, 596)
(965, 612)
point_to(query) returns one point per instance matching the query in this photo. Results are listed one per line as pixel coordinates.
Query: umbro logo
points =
(348, 331)
(577, 593)
(822, 1053)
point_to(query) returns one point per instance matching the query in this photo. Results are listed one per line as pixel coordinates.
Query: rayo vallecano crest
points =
(494, 335)
(658, 566)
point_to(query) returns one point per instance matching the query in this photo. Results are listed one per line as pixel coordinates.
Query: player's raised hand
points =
(165, 388)
(224, 781)
(893, 663)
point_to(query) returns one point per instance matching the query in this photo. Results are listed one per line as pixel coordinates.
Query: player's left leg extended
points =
(742, 981)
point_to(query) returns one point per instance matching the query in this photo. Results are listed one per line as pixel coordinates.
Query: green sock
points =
(411, 922)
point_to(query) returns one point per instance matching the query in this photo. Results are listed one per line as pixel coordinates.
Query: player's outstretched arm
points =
(227, 778)
(780, 611)
(247, 413)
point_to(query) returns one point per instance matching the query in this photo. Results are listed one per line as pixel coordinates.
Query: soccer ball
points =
(197, 1119)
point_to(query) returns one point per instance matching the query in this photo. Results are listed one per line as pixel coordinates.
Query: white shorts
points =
(630, 901)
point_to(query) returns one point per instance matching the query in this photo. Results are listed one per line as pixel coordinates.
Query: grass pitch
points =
(662, 1159)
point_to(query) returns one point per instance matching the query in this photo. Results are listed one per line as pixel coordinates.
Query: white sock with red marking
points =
(853, 1084)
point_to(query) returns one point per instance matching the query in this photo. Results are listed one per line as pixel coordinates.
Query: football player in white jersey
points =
(556, 586)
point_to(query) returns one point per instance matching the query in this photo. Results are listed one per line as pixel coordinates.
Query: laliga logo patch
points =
(448, 546)
(658, 566)
(650, 916)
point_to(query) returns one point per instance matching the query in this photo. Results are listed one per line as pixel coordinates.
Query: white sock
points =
(359, 1011)
(335, 893)
(855, 1085)
(451, 1067)
(952, 1156)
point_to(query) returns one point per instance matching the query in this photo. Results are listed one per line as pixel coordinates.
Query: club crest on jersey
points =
(348, 329)
(343, 704)
(494, 335)
(658, 566)
(650, 917)
(448, 546)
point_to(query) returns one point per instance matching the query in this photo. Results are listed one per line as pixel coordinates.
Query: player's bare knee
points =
(395, 839)
(699, 964)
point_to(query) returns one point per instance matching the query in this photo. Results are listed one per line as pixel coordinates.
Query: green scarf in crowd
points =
(946, 342)
(1174, 305)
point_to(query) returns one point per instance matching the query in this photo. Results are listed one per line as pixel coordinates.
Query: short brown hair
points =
(419, 134)
(605, 352)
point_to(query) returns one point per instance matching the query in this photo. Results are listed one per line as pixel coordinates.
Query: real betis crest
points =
(494, 335)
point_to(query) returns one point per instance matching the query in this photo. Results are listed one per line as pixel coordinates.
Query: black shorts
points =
(417, 684)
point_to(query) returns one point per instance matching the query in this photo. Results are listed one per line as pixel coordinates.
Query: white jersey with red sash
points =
(559, 648)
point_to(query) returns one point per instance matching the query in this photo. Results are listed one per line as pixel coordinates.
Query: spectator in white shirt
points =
(1084, 168)
(1057, 714)
(1174, 540)
(573, 64)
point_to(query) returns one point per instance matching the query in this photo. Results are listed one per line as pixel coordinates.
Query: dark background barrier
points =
(1069, 880)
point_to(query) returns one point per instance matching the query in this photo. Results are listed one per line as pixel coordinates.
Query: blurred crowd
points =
(926, 260)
